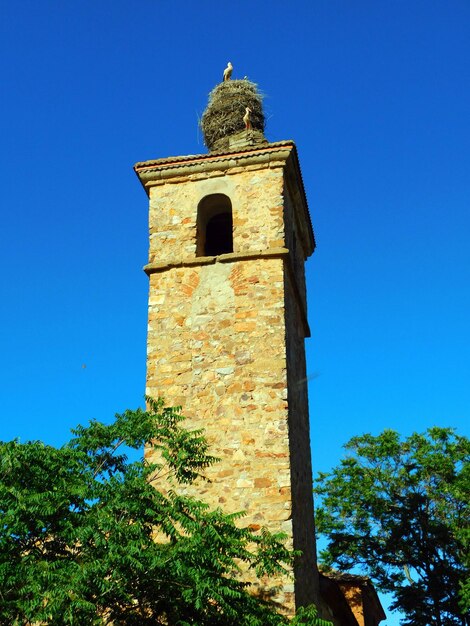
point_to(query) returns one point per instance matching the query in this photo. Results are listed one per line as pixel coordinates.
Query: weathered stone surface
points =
(226, 342)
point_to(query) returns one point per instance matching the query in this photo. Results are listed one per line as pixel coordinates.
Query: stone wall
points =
(306, 586)
(225, 341)
(257, 201)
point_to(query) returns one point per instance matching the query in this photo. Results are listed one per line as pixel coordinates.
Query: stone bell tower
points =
(229, 234)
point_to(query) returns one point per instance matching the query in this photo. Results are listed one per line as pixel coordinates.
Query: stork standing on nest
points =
(247, 118)
(228, 71)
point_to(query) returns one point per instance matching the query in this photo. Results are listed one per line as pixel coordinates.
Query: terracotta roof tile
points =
(212, 155)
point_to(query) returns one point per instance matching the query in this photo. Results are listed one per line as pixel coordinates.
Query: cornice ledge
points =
(152, 173)
(231, 257)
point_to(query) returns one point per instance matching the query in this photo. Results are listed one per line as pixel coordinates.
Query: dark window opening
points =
(219, 235)
(214, 226)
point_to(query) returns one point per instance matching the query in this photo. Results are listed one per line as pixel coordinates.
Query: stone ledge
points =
(153, 268)
(152, 173)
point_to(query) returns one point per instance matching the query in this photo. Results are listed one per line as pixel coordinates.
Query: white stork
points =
(228, 71)
(247, 118)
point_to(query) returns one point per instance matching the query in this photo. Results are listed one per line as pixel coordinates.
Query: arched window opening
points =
(214, 226)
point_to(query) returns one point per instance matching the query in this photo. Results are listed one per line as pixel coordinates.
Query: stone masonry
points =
(226, 336)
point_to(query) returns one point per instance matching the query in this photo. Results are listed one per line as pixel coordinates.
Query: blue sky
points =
(376, 96)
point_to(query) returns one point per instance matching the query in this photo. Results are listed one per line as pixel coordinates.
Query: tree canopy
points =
(399, 511)
(87, 538)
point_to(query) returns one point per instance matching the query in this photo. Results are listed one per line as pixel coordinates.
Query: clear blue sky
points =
(375, 93)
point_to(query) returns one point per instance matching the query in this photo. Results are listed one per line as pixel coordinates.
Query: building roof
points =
(370, 599)
(210, 156)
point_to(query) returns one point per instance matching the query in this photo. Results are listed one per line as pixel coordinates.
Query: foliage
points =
(87, 539)
(398, 509)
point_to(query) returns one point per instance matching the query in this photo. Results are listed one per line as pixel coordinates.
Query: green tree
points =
(398, 510)
(86, 538)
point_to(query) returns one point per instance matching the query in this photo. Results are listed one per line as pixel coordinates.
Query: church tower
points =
(229, 235)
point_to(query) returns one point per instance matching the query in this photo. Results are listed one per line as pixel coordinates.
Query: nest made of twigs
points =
(224, 114)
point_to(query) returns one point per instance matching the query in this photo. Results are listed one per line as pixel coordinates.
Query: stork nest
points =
(224, 114)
